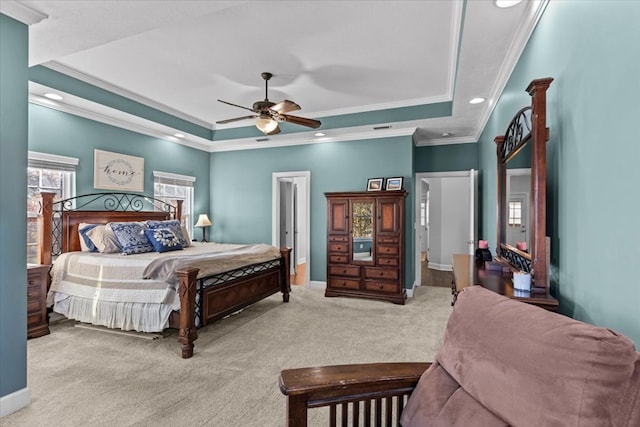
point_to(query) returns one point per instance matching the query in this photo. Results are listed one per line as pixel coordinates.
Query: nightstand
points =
(37, 281)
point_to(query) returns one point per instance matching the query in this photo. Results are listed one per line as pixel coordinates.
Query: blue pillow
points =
(87, 241)
(163, 239)
(131, 237)
(173, 225)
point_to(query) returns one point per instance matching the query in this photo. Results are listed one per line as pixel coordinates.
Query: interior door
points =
(473, 208)
(286, 217)
(517, 218)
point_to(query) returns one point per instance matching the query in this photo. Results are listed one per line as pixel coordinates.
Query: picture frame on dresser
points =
(393, 184)
(375, 184)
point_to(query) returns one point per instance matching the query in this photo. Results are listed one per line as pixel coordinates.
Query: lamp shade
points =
(203, 221)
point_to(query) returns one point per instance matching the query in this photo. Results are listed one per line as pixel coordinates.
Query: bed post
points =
(187, 288)
(285, 271)
(178, 213)
(45, 219)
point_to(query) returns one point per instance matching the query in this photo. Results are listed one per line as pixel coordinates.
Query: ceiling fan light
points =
(266, 124)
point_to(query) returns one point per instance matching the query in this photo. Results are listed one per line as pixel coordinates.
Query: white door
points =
(473, 209)
(517, 218)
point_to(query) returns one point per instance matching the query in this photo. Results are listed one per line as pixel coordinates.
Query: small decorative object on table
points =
(393, 184)
(374, 184)
(521, 280)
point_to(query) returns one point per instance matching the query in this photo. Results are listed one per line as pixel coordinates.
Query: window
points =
(170, 187)
(515, 214)
(51, 173)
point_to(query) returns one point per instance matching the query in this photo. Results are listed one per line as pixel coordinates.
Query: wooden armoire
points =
(365, 238)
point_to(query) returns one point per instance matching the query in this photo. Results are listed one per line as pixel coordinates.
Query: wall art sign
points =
(113, 171)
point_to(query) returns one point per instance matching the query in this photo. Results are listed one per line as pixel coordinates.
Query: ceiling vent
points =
(262, 139)
(382, 127)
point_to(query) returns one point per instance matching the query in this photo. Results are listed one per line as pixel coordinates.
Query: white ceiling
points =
(331, 57)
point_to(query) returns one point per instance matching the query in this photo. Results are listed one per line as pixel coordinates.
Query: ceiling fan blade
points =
(222, 122)
(285, 106)
(303, 121)
(275, 131)
(236, 105)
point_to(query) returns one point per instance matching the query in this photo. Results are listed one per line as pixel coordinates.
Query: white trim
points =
(440, 267)
(303, 138)
(447, 141)
(411, 291)
(79, 75)
(53, 158)
(456, 33)
(275, 211)
(21, 12)
(169, 175)
(15, 401)
(132, 123)
(518, 44)
(315, 284)
(302, 260)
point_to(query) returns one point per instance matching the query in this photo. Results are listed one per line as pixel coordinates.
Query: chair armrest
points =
(375, 384)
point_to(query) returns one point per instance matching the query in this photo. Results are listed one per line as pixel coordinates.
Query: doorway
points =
(291, 219)
(446, 206)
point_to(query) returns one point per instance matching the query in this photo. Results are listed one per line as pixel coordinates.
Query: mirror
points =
(517, 208)
(362, 222)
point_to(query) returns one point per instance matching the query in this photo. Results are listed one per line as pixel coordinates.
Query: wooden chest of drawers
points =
(365, 236)
(37, 281)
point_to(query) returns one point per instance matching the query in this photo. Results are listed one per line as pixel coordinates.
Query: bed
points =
(183, 289)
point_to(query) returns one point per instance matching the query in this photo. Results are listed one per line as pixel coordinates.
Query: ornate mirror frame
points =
(527, 126)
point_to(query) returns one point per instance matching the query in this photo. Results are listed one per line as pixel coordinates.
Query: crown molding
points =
(518, 44)
(448, 141)
(72, 72)
(455, 37)
(305, 138)
(133, 123)
(21, 12)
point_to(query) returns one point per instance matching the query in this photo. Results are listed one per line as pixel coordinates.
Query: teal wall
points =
(56, 132)
(14, 47)
(446, 158)
(591, 50)
(241, 188)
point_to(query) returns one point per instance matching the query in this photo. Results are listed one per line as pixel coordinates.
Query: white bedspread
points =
(138, 291)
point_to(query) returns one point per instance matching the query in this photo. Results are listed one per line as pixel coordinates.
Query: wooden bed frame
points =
(202, 299)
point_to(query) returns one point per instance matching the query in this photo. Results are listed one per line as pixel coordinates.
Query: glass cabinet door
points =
(362, 231)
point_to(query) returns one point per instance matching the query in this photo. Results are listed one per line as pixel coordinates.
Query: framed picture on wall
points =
(394, 184)
(113, 171)
(374, 184)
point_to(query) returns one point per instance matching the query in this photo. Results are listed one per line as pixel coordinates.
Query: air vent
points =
(262, 139)
(382, 127)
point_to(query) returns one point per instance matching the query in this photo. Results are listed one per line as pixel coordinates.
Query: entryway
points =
(446, 223)
(291, 220)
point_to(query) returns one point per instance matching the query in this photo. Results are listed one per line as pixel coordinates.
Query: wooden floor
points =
(300, 276)
(432, 277)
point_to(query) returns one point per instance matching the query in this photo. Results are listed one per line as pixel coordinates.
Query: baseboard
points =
(441, 267)
(314, 284)
(14, 401)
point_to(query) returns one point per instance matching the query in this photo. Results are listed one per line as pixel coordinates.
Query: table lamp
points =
(203, 222)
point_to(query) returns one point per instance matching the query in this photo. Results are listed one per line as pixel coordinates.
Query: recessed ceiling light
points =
(476, 101)
(507, 3)
(318, 134)
(53, 96)
(178, 135)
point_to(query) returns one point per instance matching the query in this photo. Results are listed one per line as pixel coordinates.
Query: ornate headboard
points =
(58, 221)
(528, 126)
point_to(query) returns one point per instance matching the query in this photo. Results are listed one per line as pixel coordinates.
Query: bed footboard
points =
(225, 298)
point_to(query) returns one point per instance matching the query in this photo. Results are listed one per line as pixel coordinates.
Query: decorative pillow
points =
(173, 225)
(103, 239)
(86, 245)
(163, 239)
(131, 237)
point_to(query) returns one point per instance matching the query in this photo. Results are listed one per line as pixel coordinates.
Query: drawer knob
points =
(29, 295)
(30, 282)
(382, 273)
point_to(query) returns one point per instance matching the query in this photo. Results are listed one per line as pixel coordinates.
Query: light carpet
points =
(84, 377)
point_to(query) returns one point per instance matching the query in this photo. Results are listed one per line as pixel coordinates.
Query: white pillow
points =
(102, 236)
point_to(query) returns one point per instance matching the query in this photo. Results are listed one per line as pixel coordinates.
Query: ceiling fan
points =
(268, 114)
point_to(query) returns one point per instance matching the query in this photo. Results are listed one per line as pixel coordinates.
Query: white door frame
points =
(416, 227)
(275, 212)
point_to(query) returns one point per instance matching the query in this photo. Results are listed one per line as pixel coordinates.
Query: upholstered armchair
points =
(502, 362)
